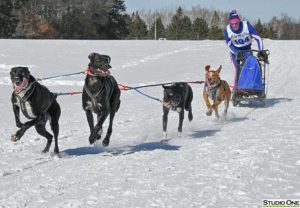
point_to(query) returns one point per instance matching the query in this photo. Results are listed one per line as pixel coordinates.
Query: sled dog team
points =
(101, 96)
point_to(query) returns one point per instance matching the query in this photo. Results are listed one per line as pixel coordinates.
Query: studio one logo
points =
(281, 203)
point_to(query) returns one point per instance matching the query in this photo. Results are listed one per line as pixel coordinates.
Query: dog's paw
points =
(20, 133)
(209, 112)
(164, 135)
(105, 142)
(92, 140)
(46, 149)
(179, 134)
(14, 138)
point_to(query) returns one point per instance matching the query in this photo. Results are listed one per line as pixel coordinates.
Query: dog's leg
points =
(215, 106)
(190, 115)
(101, 130)
(90, 119)
(217, 113)
(98, 128)
(181, 117)
(55, 114)
(226, 103)
(16, 110)
(106, 140)
(227, 100)
(189, 103)
(209, 108)
(165, 121)
(18, 135)
(41, 130)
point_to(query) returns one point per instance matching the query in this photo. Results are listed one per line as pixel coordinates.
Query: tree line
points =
(108, 19)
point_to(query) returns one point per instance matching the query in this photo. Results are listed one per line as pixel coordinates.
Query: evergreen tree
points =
(160, 29)
(215, 20)
(215, 32)
(174, 28)
(8, 21)
(187, 28)
(137, 28)
(259, 28)
(180, 27)
(71, 25)
(116, 27)
(200, 29)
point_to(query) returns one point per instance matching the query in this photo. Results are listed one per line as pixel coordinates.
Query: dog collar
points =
(102, 72)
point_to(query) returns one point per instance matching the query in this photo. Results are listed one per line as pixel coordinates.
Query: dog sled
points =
(251, 82)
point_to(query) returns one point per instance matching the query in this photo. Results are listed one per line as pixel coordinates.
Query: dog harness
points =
(212, 91)
(92, 96)
(23, 100)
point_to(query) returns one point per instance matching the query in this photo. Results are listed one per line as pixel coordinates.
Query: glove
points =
(262, 56)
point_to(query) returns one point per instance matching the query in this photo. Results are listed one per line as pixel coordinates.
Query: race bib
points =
(241, 40)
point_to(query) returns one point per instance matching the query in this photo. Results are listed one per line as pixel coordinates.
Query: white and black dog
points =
(177, 97)
(101, 95)
(37, 104)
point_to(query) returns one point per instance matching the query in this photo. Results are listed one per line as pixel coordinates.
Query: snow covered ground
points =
(253, 155)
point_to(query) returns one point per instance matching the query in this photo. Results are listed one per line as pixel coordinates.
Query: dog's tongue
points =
(19, 88)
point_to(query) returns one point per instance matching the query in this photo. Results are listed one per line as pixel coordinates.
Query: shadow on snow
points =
(273, 101)
(204, 133)
(151, 146)
(270, 102)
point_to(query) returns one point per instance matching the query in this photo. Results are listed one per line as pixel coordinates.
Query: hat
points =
(233, 16)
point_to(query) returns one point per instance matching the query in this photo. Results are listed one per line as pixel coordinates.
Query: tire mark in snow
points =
(158, 56)
(28, 167)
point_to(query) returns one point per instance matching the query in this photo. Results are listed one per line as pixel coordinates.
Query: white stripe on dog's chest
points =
(29, 110)
(27, 106)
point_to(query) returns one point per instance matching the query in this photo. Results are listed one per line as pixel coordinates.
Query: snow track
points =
(238, 162)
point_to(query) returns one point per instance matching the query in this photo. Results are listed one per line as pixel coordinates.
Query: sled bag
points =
(250, 76)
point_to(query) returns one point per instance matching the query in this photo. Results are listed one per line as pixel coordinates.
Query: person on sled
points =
(238, 36)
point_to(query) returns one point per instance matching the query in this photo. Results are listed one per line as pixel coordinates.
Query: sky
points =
(250, 9)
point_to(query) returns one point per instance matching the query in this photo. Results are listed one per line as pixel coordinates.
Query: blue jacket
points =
(242, 38)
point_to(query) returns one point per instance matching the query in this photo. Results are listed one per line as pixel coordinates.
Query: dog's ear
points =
(91, 56)
(219, 69)
(25, 69)
(207, 67)
(164, 86)
(12, 70)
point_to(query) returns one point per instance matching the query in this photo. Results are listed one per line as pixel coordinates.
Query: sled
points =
(251, 83)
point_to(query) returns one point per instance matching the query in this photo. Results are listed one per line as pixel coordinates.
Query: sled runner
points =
(251, 80)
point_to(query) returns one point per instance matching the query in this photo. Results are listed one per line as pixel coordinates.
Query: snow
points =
(238, 162)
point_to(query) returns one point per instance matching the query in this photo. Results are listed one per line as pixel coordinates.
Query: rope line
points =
(62, 75)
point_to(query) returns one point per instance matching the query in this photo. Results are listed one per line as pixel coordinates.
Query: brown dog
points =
(217, 90)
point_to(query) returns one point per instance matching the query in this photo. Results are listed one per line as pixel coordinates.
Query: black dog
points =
(178, 97)
(37, 103)
(100, 95)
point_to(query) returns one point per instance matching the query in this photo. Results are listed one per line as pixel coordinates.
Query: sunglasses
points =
(235, 23)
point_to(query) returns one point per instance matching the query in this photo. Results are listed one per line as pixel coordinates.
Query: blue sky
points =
(251, 9)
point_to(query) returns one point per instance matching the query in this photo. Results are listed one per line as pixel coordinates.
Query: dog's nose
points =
(16, 79)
